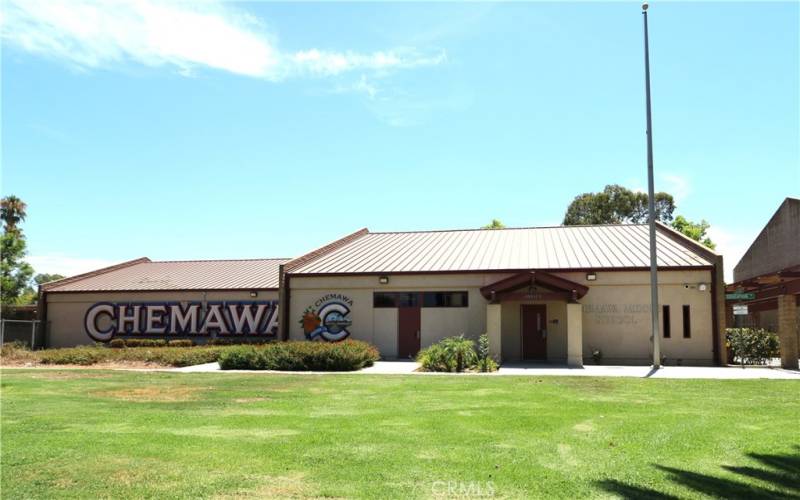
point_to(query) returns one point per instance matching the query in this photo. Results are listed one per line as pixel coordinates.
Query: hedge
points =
(348, 355)
(167, 356)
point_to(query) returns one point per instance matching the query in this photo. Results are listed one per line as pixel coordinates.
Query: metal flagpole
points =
(651, 204)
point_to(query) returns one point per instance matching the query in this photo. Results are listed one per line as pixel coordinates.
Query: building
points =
(553, 294)
(175, 299)
(769, 272)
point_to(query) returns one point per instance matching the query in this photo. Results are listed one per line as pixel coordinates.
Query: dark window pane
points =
(407, 299)
(687, 323)
(382, 299)
(666, 322)
(444, 299)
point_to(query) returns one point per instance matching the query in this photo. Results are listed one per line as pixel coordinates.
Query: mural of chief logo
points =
(328, 319)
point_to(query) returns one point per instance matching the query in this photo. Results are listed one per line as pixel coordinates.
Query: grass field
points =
(97, 433)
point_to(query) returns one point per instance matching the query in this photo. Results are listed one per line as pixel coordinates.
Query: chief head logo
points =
(330, 322)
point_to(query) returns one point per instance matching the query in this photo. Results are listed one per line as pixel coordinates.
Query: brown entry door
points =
(534, 325)
(409, 322)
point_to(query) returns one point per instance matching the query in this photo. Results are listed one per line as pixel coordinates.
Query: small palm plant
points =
(460, 352)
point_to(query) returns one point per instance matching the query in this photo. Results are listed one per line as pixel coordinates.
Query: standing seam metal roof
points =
(143, 275)
(560, 247)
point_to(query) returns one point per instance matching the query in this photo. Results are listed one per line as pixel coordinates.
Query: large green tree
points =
(15, 273)
(617, 205)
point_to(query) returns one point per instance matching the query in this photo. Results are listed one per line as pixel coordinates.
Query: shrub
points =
(485, 362)
(453, 354)
(180, 343)
(241, 358)
(347, 355)
(17, 351)
(116, 343)
(752, 346)
(73, 356)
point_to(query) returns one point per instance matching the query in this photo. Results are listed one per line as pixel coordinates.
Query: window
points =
(424, 299)
(395, 299)
(666, 321)
(687, 323)
(444, 299)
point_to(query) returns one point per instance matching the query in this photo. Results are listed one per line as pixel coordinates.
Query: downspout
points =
(717, 319)
(283, 303)
(41, 314)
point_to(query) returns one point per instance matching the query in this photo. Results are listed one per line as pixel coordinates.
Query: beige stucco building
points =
(558, 294)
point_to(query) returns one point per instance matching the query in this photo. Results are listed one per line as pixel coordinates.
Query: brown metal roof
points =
(143, 274)
(560, 247)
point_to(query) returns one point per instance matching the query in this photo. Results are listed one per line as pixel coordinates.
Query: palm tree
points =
(12, 212)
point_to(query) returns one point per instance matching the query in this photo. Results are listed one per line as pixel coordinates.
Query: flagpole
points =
(651, 204)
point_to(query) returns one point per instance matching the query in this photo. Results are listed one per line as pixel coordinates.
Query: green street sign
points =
(740, 296)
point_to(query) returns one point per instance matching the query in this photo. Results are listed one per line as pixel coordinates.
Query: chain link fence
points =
(20, 330)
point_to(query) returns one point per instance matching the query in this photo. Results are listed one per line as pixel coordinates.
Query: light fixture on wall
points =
(591, 276)
(383, 280)
(702, 287)
(254, 294)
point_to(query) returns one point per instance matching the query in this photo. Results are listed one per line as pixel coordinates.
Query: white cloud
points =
(67, 266)
(675, 184)
(184, 35)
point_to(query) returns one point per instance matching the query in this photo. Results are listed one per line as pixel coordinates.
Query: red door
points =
(534, 337)
(409, 322)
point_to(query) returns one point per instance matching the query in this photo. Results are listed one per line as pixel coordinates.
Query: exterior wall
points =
(776, 246)
(379, 325)
(615, 318)
(66, 311)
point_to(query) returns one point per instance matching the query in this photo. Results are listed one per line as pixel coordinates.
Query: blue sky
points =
(222, 130)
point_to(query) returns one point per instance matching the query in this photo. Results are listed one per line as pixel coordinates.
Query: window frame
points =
(687, 321)
(666, 322)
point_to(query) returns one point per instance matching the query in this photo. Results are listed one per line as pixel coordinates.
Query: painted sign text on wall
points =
(328, 318)
(104, 320)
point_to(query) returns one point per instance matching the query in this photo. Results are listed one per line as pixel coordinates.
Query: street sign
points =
(740, 296)
(740, 309)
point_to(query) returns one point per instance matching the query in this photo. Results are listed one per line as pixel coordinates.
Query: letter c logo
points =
(90, 321)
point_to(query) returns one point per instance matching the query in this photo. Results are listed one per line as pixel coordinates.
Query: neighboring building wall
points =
(66, 310)
(776, 247)
(616, 313)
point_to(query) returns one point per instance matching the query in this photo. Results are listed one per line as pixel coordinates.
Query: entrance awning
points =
(524, 286)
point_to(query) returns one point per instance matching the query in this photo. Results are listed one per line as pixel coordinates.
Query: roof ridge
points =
(681, 238)
(91, 274)
(319, 252)
(218, 260)
(562, 226)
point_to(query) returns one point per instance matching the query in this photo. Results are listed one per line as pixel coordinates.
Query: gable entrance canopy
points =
(525, 286)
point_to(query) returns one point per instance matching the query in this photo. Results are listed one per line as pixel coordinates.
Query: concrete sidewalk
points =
(544, 370)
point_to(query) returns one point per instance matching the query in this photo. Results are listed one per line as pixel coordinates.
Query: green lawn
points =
(97, 433)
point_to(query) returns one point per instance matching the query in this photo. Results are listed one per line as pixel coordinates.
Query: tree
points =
(694, 230)
(616, 204)
(15, 273)
(495, 224)
(46, 278)
(12, 212)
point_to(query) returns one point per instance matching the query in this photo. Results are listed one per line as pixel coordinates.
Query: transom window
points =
(420, 299)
